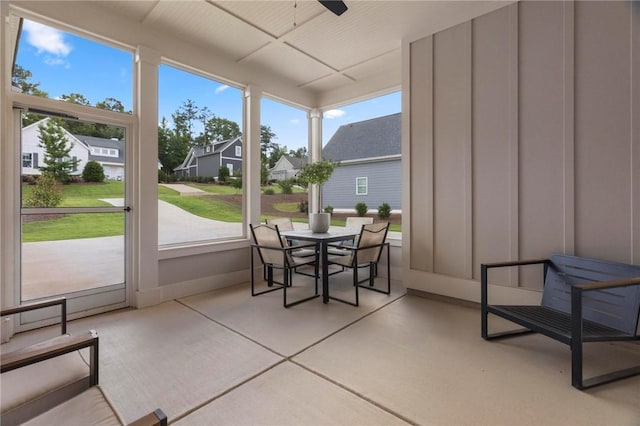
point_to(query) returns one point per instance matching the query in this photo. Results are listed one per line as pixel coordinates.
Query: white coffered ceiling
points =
(331, 58)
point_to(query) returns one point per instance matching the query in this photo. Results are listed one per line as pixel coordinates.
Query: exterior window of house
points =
(200, 111)
(27, 160)
(230, 167)
(362, 186)
(238, 151)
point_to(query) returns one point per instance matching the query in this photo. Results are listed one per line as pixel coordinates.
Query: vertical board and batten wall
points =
(521, 138)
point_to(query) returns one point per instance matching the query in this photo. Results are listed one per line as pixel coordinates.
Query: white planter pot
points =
(319, 222)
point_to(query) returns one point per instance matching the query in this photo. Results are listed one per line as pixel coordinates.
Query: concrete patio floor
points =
(227, 358)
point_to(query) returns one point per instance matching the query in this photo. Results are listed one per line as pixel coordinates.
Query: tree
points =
(236, 182)
(111, 104)
(57, 149)
(93, 172)
(21, 77)
(171, 149)
(183, 121)
(266, 141)
(298, 153)
(220, 129)
(75, 98)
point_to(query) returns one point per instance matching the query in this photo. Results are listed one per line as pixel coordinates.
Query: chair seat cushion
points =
(303, 253)
(32, 389)
(90, 408)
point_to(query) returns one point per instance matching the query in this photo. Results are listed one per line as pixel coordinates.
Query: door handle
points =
(127, 209)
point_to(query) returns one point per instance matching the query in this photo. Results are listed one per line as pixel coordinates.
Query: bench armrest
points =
(514, 263)
(40, 305)
(598, 285)
(52, 348)
(156, 418)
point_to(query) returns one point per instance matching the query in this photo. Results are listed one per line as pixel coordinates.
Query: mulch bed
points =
(268, 202)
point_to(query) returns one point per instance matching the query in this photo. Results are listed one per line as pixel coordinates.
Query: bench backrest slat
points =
(617, 308)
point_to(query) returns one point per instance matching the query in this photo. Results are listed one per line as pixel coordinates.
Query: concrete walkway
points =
(184, 189)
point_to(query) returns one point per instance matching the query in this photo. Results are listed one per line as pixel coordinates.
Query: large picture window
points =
(200, 123)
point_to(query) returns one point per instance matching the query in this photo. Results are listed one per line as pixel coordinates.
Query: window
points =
(362, 186)
(196, 114)
(27, 158)
(238, 151)
(230, 167)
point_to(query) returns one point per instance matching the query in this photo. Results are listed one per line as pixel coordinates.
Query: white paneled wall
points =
(523, 140)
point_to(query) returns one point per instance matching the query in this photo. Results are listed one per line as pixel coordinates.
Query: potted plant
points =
(318, 173)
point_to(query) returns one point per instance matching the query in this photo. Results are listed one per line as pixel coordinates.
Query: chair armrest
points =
(515, 263)
(156, 418)
(51, 348)
(598, 285)
(40, 305)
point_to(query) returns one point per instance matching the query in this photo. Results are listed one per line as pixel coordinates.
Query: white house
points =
(286, 167)
(110, 153)
(33, 154)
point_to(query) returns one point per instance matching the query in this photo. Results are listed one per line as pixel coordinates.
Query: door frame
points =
(52, 107)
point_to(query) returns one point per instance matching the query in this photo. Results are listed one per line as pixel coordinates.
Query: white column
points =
(252, 159)
(145, 181)
(315, 152)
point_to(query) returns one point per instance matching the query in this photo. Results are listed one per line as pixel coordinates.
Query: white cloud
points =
(46, 39)
(221, 89)
(333, 113)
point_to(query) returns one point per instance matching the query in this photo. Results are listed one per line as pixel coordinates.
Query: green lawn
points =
(92, 225)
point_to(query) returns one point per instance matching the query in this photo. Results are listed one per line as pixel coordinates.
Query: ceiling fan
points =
(336, 6)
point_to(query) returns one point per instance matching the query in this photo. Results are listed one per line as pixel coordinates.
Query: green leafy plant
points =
(269, 191)
(44, 193)
(384, 211)
(304, 207)
(223, 174)
(317, 173)
(361, 209)
(328, 209)
(286, 186)
(93, 172)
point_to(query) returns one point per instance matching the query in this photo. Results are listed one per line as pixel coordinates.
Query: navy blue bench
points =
(584, 300)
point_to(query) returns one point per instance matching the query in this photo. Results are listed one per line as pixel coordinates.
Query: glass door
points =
(73, 211)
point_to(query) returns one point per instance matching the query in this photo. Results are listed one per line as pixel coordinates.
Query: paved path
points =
(184, 189)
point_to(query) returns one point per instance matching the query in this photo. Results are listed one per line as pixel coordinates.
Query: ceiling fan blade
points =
(336, 6)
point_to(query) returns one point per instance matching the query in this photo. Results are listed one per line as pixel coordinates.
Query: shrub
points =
(384, 211)
(93, 172)
(29, 179)
(44, 193)
(304, 206)
(269, 191)
(361, 209)
(286, 186)
(328, 209)
(223, 174)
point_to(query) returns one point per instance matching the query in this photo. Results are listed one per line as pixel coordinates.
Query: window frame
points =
(366, 185)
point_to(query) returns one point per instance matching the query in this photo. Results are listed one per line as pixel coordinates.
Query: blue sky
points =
(64, 63)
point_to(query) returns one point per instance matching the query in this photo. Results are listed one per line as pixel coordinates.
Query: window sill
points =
(193, 249)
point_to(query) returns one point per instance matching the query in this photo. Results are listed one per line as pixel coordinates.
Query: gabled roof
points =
(71, 138)
(378, 137)
(296, 162)
(217, 147)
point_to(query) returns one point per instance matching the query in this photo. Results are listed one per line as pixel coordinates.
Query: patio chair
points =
(276, 253)
(40, 376)
(354, 222)
(366, 253)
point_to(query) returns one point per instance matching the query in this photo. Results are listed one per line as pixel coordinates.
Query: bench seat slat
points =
(556, 322)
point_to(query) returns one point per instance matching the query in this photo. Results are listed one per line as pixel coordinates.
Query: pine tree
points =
(57, 148)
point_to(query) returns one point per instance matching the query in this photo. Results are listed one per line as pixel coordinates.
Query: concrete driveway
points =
(57, 267)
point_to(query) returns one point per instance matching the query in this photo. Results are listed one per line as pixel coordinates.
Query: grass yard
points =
(216, 206)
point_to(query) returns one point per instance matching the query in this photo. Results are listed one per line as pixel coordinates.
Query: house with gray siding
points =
(206, 160)
(370, 164)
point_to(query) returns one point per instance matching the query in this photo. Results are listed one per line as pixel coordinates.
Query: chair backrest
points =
(372, 234)
(357, 221)
(284, 223)
(617, 308)
(269, 236)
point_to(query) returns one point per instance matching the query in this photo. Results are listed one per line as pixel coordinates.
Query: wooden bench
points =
(584, 300)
